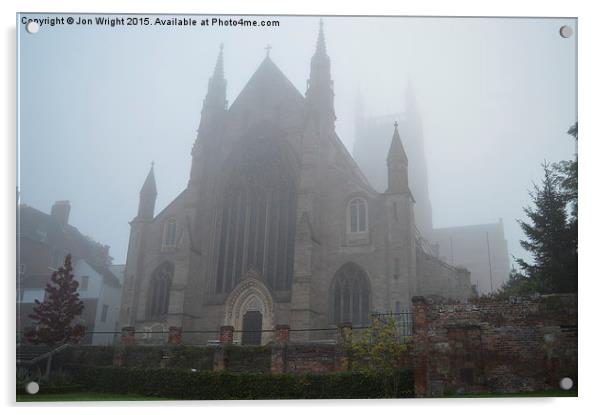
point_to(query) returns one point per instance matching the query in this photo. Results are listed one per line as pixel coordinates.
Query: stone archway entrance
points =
(250, 309)
(251, 328)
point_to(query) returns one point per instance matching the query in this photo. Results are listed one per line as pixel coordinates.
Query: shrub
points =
(180, 384)
(191, 357)
(248, 358)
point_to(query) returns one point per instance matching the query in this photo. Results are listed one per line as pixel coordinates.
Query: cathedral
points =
(278, 224)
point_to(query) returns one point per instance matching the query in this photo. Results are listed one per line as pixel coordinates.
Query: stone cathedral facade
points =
(277, 225)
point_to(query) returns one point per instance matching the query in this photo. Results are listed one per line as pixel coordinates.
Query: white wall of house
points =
(93, 287)
(30, 295)
(109, 301)
(107, 314)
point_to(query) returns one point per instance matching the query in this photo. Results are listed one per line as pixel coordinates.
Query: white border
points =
(590, 287)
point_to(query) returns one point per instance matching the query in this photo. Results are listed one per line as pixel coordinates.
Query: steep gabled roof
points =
(268, 86)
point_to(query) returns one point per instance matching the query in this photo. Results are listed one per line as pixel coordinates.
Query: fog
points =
(97, 105)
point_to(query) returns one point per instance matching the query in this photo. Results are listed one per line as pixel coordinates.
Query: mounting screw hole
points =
(32, 27)
(32, 388)
(566, 31)
(566, 383)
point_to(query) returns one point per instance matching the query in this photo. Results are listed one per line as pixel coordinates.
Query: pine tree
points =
(55, 314)
(517, 285)
(551, 238)
(567, 170)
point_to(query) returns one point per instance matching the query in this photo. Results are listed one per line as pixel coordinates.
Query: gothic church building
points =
(277, 225)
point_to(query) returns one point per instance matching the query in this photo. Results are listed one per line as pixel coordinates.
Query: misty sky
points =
(98, 104)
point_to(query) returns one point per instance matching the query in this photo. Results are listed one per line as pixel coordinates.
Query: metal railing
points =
(403, 320)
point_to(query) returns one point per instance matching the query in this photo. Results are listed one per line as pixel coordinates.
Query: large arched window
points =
(160, 286)
(351, 295)
(258, 220)
(357, 215)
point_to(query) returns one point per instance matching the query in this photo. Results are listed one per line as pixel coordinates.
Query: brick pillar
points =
(279, 349)
(219, 363)
(226, 337)
(128, 334)
(127, 339)
(282, 333)
(344, 334)
(342, 358)
(226, 334)
(420, 355)
(175, 336)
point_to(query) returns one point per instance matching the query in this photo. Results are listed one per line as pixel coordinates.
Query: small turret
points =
(148, 196)
(397, 164)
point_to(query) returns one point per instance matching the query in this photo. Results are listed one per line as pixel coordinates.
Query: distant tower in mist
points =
(464, 246)
(371, 146)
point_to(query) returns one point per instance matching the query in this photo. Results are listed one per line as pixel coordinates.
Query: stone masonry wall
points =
(499, 346)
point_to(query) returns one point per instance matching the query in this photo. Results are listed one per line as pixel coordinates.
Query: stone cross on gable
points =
(268, 48)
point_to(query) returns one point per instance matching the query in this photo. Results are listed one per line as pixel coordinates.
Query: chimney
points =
(60, 211)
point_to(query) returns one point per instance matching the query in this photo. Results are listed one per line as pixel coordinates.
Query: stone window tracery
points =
(358, 215)
(258, 219)
(159, 290)
(351, 292)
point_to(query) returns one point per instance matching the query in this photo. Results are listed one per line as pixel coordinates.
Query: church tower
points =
(136, 246)
(401, 219)
(419, 171)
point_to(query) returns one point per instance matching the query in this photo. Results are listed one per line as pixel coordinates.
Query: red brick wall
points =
(502, 346)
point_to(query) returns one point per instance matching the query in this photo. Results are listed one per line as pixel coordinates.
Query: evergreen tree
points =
(551, 237)
(517, 285)
(55, 314)
(567, 170)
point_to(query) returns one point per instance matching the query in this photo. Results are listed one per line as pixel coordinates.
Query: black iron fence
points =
(158, 334)
(403, 321)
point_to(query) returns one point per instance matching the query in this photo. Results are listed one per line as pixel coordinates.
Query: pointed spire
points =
(214, 104)
(216, 90)
(218, 72)
(320, 94)
(321, 43)
(397, 165)
(150, 187)
(396, 151)
(148, 196)
(320, 62)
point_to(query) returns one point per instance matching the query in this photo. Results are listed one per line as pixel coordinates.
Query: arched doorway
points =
(250, 310)
(251, 328)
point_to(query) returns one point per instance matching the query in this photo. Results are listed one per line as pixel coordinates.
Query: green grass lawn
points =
(539, 394)
(84, 396)
(98, 396)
